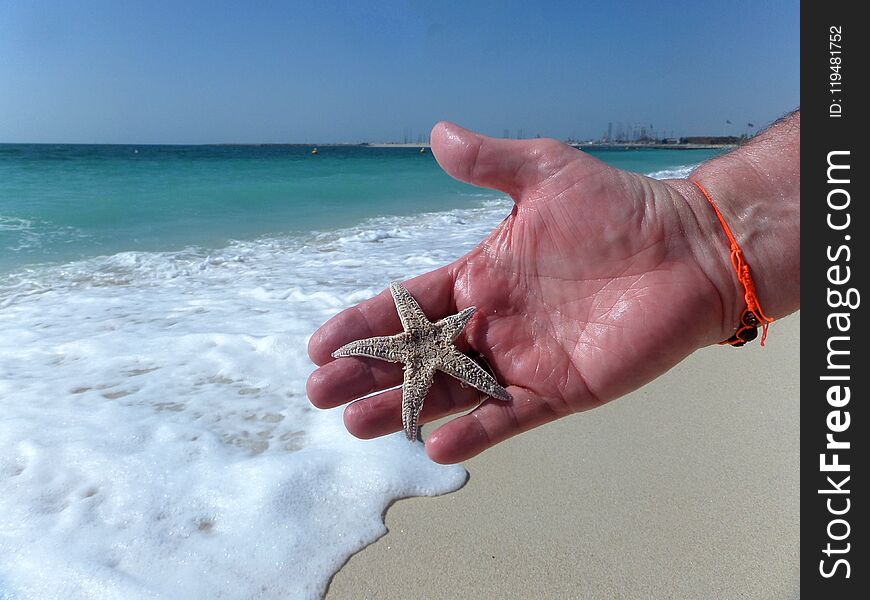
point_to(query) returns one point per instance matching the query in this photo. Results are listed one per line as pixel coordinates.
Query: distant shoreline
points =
(601, 146)
(654, 146)
(582, 146)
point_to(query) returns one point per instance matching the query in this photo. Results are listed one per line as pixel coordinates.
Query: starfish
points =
(424, 347)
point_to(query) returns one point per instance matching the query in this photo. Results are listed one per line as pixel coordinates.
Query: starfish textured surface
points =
(424, 347)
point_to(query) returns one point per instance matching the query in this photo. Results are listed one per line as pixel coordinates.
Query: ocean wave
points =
(435, 235)
(439, 237)
(673, 173)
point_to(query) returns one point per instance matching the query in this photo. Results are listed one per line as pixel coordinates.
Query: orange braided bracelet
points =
(752, 316)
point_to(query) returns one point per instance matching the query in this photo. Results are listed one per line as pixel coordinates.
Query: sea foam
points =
(157, 440)
(673, 173)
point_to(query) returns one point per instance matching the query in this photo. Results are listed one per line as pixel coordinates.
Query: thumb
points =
(507, 165)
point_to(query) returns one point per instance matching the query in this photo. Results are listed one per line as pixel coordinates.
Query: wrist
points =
(709, 247)
(762, 209)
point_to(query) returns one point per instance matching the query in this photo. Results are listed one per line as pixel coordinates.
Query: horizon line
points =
(568, 141)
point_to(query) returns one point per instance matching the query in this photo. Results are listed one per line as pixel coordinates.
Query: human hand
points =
(599, 281)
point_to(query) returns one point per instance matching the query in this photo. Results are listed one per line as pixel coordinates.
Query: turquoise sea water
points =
(65, 202)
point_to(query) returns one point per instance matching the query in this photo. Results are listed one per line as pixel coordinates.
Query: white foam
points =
(157, 440)
(14, 223)
(673, 173)
(157, 437)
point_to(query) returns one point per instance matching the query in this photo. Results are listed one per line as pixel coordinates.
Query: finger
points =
(381, 414)
(378, 316)
(340, 381)
(507, 165)
(492, 422)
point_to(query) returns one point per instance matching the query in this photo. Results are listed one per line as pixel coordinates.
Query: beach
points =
(686, 488)
(156, 303)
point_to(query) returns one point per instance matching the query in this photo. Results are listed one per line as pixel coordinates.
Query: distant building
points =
(711, 139)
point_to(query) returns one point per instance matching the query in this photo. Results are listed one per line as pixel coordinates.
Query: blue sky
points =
(319, 71)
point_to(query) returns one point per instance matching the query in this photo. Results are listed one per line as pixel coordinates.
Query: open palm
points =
(588, 290)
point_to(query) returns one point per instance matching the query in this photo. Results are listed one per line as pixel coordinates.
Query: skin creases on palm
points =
(585, 292)
(590, 282)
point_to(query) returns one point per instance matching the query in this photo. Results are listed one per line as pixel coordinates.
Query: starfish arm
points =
(391, 348)
(453, 325)
(467, 371)
(414, 389)
(410, 313)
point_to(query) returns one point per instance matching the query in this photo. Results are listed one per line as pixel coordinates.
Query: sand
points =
(687, 488)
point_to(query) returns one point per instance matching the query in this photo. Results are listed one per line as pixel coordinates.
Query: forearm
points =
(757, 189)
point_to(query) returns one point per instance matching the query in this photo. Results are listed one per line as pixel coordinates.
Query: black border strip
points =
(835, 226)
